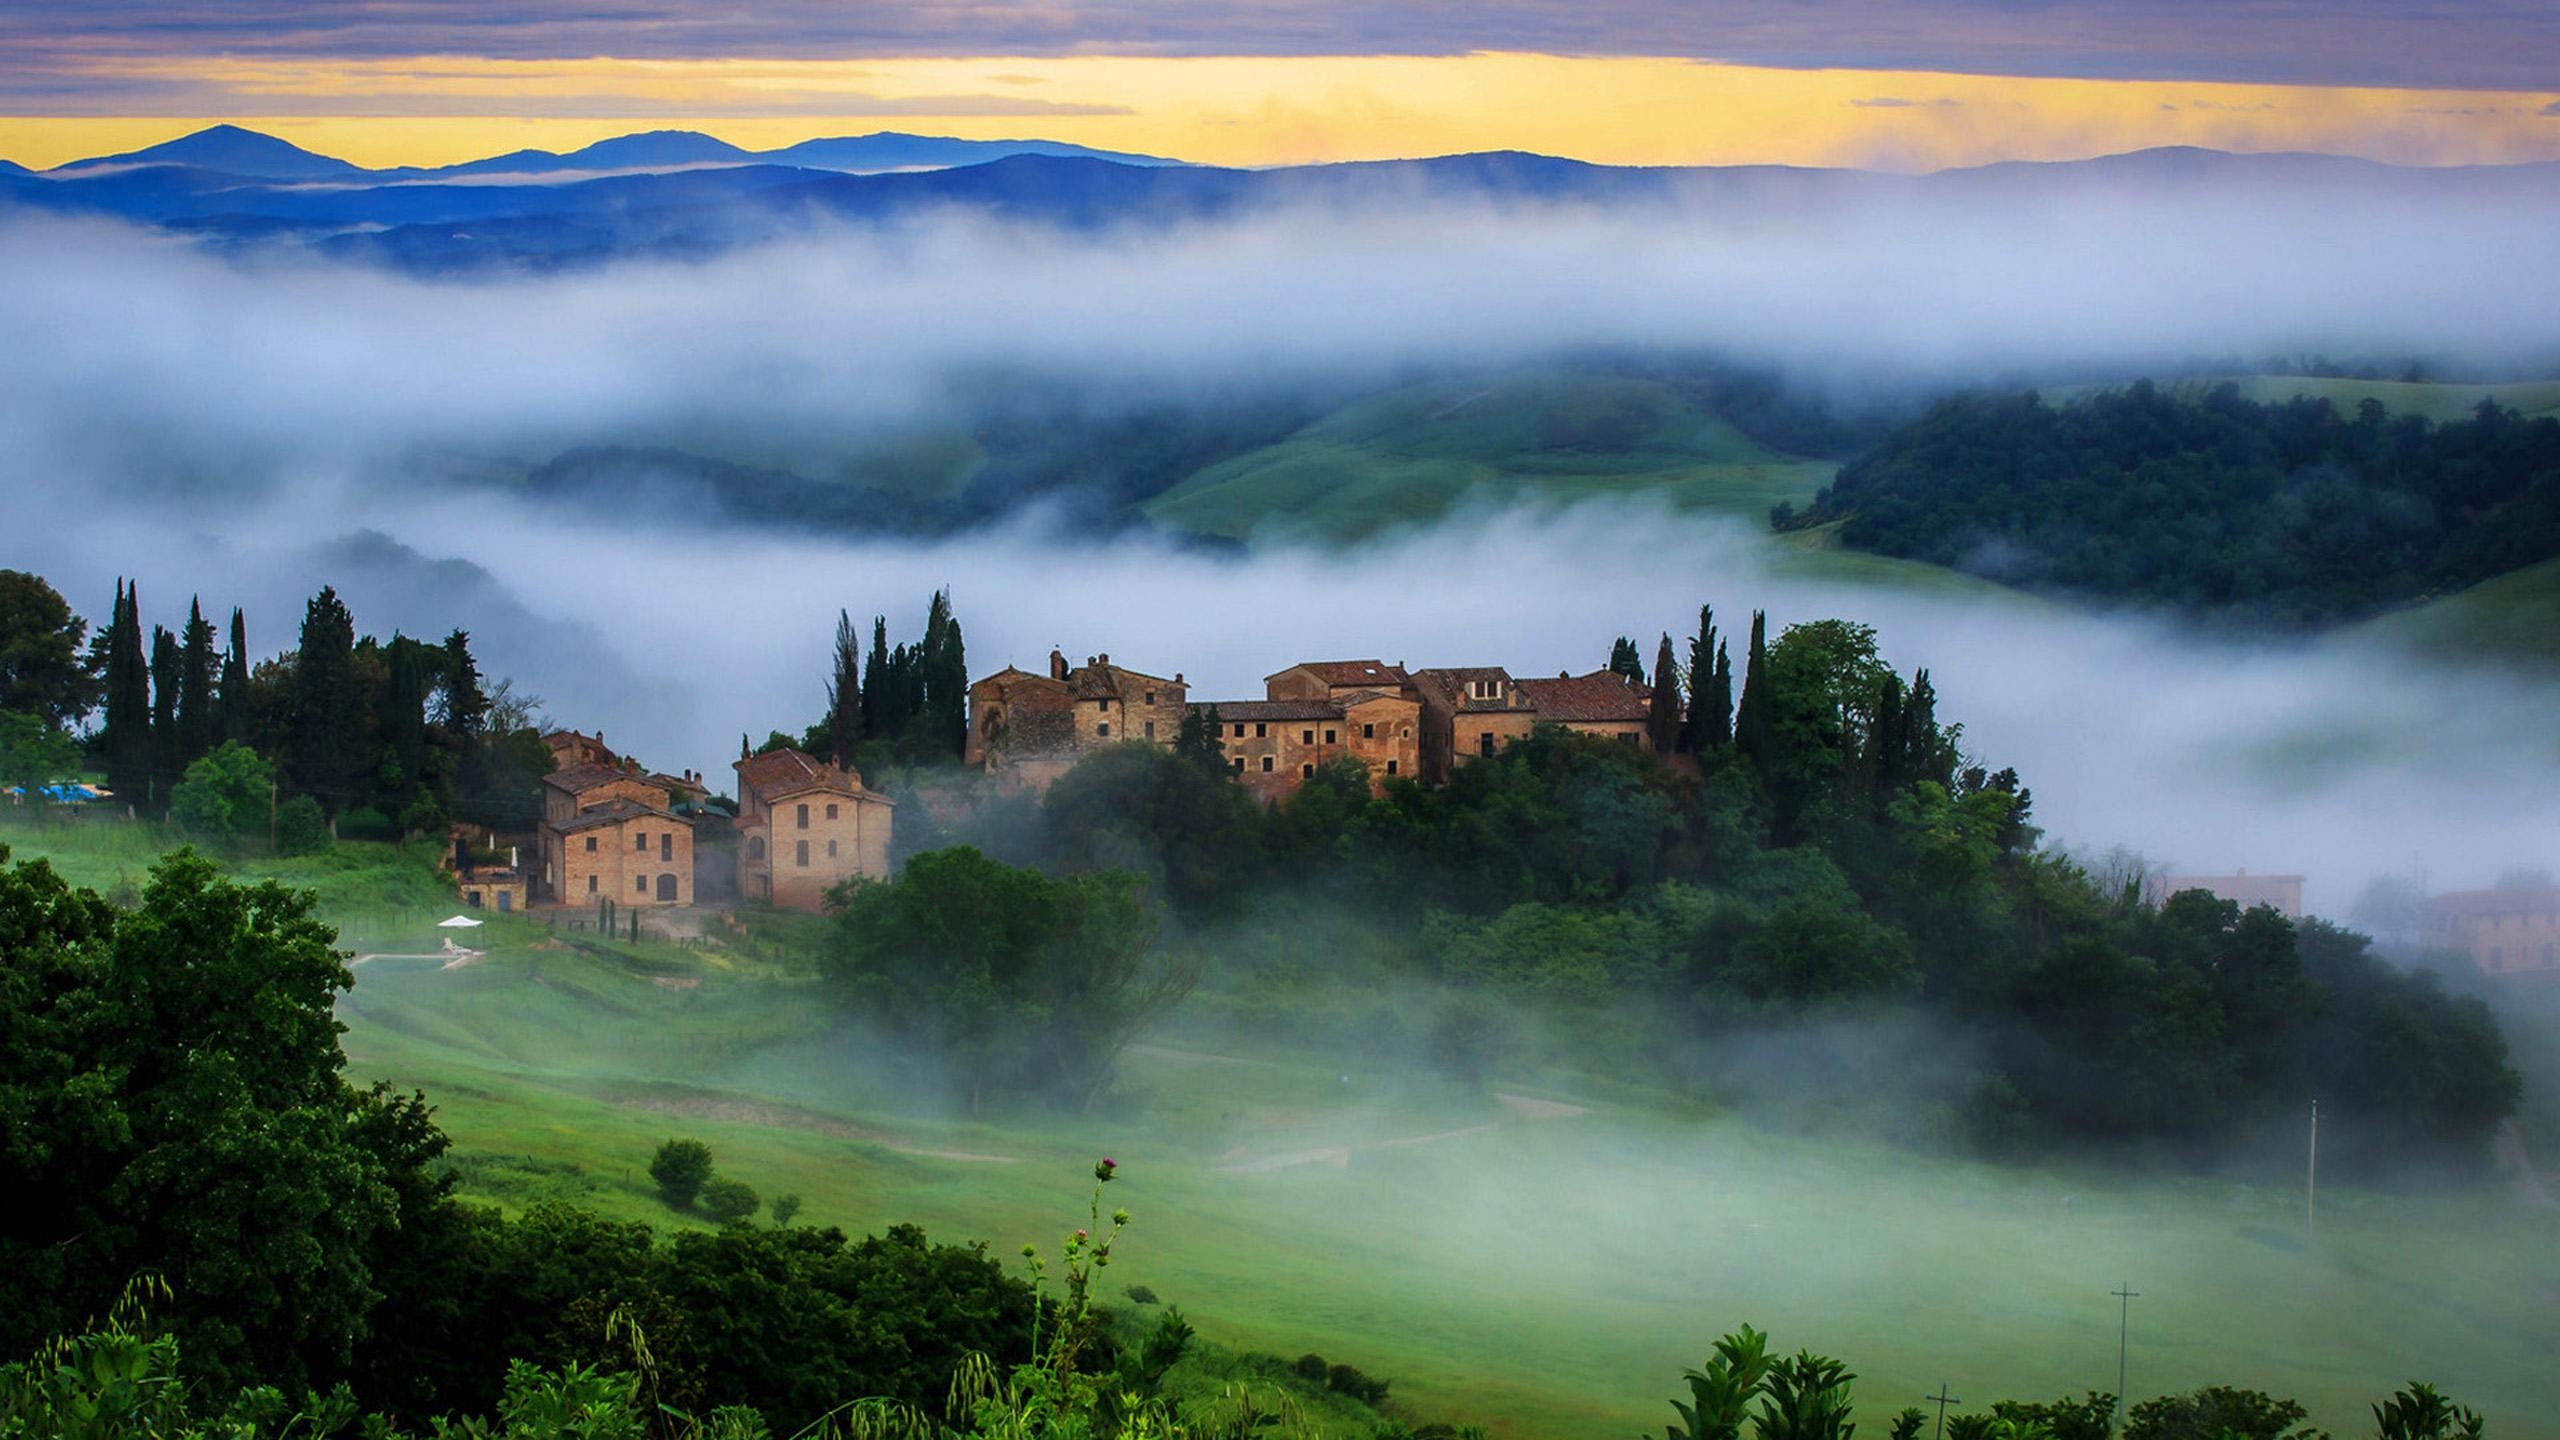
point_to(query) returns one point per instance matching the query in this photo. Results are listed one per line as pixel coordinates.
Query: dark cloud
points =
(2489, 44)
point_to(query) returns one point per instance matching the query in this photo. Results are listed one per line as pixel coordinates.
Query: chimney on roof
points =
(1057, 664)
(1106, 658)
(1177, 677)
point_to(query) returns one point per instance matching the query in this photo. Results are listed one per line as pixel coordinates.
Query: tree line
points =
(398, 736)
(2290, 513)
(908, 706)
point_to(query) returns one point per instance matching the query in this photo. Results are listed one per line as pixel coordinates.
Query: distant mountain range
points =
(678, 193)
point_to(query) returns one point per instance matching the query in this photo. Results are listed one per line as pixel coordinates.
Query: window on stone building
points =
(831, 812)
(591, 844)
(1102, 731)
(1408, 732)
(801, 858)
(640, 883)
(1238, 763)
(1151, 729)
(1239, 732)
(1306, 772)
(803, 818)
(1266, 764)
(755, 848)
(1151, 697)
(1484, 743)
(639, 839)
(1261, 731)
(1368, 732)
(1391, 767)
(1329, 737)
(1306, 737)
(591, 884)
(667, 846)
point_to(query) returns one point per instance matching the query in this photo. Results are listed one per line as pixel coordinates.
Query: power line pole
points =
(2125, 1293)
(2311, 1185)
(1944, 1400)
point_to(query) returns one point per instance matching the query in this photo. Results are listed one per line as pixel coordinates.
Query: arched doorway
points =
(667, 889)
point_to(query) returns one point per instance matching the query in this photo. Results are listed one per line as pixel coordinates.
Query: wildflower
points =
(1080, 1235)
(1119, 1217)
(1030, 1251)
(1102, 1169)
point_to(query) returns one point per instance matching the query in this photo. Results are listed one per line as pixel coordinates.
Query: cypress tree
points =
(953, 713)
(844, 693)
(197, 724)
(1706, 726)
(876, 719)
(233, 720)
(167, 764)
(1752, 732)
(402, 722)
(1662, 722)
(125, 739)
(325, 719)
(1720, 698)
(1624, 660)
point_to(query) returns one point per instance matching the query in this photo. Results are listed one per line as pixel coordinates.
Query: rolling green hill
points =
(2513, 619)
(1412, 455)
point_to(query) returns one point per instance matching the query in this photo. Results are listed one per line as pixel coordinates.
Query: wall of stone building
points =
(1628, 730)
(559, 804)
(1296, 685)
(489, 892)
(855, 841)
(1032, 776)
(620, 868)
(1273, 757)
(1467, 727)
(2507, 944)
(1387, 734)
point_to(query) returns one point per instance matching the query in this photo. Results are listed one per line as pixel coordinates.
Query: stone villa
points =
(806, 826)
(607, 833)
(2505, 931)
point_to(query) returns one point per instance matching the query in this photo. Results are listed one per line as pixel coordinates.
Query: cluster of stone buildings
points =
(2513, 930)
(1027, 729)
(611, 830)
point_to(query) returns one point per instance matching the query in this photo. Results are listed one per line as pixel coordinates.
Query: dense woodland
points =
(2290, 514)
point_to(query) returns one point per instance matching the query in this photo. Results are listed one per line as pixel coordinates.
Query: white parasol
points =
(459, 922)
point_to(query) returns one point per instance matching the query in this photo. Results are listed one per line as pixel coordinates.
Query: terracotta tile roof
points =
(1450, 684)
(579, 779)
(615, 812)
(1350, 672)
(1231, 712)
(1601, 697)
(2474, 904)
(790, 772)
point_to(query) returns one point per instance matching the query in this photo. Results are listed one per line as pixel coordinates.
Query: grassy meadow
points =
(1544, 1256)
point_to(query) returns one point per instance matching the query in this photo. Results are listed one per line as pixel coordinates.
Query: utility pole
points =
(2124, 1292)
(2311, 1185)
(1944, 1400)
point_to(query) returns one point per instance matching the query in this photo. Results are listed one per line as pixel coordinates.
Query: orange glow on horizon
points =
(1270, 111)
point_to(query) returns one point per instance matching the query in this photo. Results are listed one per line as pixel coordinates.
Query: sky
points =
(1908, 84)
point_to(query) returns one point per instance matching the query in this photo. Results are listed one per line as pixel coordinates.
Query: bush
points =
(300, 827)
(1348, 1380)
(680, 1169)
(1142, 1295)
(785, 1208)
(367, 824)
(1311, 1367)
(728, 1201)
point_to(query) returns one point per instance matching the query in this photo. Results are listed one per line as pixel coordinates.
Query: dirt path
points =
(785, 1117)
(1519, 1109)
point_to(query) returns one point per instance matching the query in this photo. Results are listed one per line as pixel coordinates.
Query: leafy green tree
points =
(42, 672)
(680, 1169)
(2217, 1412)
(1019, 978)
(225, 795)
(175, 1105)
(785, 1208)
(729, 1202)
(34, 755)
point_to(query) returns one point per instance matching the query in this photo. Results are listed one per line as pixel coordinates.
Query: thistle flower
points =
(1081, 1235)
(1102, 1169)
(1119, 1217)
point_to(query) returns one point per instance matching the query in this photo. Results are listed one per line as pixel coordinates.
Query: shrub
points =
(1311, 1367)
(300, 827)
(1142, 1295)
(728, 1201)
(367, 824)
(1348, 1380)
(224, 796)
(680, 1168)
(785, 1208)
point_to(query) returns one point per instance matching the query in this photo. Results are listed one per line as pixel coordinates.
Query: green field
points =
(1413, 455)
(2513, 619)
(1544, 1257)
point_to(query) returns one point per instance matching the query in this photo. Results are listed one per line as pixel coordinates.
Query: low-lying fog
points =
(251, 430)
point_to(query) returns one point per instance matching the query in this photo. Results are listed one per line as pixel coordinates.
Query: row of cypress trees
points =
(912, 699)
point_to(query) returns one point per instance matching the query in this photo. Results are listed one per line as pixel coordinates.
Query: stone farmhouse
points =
(806, 826)
(607, 833)
(1028, 729)
(2505, 932)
